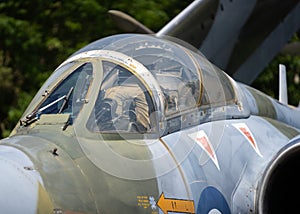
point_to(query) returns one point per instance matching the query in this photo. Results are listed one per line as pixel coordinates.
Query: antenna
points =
(283, 97)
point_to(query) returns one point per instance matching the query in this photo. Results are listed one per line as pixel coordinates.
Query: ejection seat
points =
(105, 113)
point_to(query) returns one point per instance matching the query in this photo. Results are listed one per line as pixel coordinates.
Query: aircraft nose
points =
(21, 189)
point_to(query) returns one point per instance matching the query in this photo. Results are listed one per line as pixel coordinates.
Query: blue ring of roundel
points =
(210, 199)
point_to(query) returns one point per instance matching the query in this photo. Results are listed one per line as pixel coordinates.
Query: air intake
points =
(280, 188)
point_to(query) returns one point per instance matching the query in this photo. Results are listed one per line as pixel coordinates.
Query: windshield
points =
(67, 97)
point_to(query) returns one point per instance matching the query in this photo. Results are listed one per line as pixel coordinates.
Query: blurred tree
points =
(268, 80)
(36, 36)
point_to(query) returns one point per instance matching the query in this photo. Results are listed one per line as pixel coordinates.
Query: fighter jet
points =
(140, 123)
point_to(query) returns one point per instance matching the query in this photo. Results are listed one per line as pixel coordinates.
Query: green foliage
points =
(7, 94)
(154, 14)
(268, 80)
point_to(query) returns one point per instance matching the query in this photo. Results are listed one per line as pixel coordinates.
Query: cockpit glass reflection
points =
(173, 68)
(180, 85)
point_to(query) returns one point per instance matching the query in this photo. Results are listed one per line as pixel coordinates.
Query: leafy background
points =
(37, 35)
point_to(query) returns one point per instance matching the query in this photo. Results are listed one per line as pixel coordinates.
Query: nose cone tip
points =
(20, 190)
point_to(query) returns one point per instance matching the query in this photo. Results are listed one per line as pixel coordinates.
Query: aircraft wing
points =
(239, 37)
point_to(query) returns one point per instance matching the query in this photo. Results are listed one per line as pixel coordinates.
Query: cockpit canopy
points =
(135, 83)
